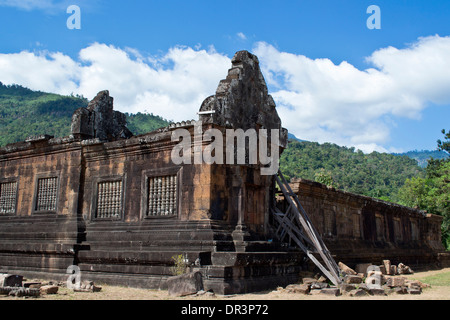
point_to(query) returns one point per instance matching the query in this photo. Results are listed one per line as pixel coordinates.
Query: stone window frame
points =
(329, 221)
(46, 175)
(94, 202)
(397, 225)
(356, 223)
(151, 173)
(11, 180)
(415, 231)
(380, 234)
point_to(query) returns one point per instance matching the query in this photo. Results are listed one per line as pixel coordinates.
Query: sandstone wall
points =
(362, 229)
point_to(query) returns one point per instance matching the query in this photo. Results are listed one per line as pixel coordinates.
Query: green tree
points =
(432, 193)
(444, 145)
(377, 175)
(324, 177)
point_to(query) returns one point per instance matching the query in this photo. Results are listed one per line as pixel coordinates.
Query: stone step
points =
(139, 257)
(154, 236)
(37, 261)
(38, 247)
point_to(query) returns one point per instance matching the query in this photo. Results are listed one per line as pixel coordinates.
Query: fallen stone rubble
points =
(16, 285)
(368, 280)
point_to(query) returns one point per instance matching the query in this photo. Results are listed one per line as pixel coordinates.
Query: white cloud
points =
(173, 85)
(241, 36)
(317, 100)
(52, 72)
(28, 4)
(51, 7)
(321, 101)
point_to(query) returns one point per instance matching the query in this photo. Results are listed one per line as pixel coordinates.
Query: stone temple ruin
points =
(116, 206)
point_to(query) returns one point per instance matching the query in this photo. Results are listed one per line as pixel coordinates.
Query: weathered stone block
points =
(87, 286)
(23, 292)
(185, 284)
(346, 269)
(49, 289)
(308, 280)
(382, 269)
(377, 291)
(32, 285)
(387, 266)
(319, 285)
(403, 269)
(314, 292)
(298, 288)
(362, 268)
(358, 293)
(10, 280)
(414, 290)
(400, 290)
(331, 291)
(396, 281)
(99, 120)
(416, 283)
(393, 270)
(346, 288)
(352, 279)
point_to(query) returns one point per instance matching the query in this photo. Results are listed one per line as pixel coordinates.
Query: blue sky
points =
(333, 79)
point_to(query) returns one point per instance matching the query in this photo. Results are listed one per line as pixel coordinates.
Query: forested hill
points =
(24, 113)
(423, 156)
(378, 175)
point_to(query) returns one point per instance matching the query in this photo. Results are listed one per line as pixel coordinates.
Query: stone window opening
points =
(356, 226)
(109, 200)
(414, 230)
(379, 223)
(46, 194)
(162, 196)
(397, 229)
(8, 197)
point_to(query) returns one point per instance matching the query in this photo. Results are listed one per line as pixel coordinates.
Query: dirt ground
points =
(438, 279)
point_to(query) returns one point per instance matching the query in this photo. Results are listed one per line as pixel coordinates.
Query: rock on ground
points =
(185, 284)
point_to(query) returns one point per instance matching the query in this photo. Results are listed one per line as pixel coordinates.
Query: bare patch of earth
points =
(438, 279)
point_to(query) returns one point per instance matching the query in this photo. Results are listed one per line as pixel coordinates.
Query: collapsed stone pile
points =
(367, 280)
(16, 285)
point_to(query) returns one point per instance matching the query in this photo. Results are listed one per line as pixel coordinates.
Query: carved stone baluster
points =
(155, 196)
(161, 192)
(150, 197)
(119, 199)
(100, 201)
(112, 198)
(170, 195)
(108, 200)
(46, 194)
(53, 193)
(43, 195)
(3, 202)
(164, 201)
(115, 200)
(159, 196)
(174, 195)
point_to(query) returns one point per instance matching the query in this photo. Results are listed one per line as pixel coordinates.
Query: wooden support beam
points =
(296, 223)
